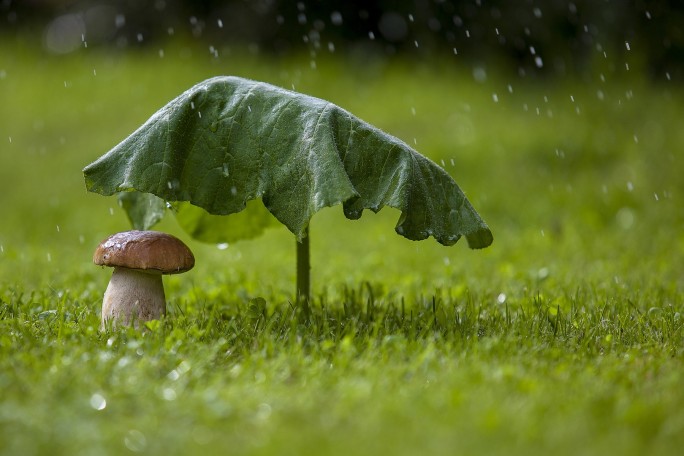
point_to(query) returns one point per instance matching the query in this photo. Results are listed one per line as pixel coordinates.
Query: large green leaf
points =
(230, 140)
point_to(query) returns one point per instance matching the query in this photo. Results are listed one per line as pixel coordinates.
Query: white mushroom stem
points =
(133, 296)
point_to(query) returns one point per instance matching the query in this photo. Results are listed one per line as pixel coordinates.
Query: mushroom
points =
(139, 258)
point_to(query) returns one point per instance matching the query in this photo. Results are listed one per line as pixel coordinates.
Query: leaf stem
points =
(304, 272)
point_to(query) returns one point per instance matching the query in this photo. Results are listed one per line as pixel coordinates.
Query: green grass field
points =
(564, 337)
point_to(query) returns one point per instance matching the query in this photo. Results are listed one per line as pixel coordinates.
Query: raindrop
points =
(222, 246)
(537, 13)
(94, 72)
(510, 88)
(111, 211)
(220, 23)
(58, 228)
(627, 45)
(225, 169)
(199, 113)
(501, 298)
(331, 47)
(630, 186)
(233, 190)
(336, 18)
(161, 53)
(263, 412)
(543, 273)
(98, 402)
(410, 17)
(532, 50)
(140, 37)
(169, 394)
(636, 139)
(455, 51)
(415, 42)
(479, 74)
(10, 139)
(538, 61)
(135, 441)
(413, 111)
(648, 15)
(655, 195)
(371, 35)
(2, 249)
(600, 95)
(667, 75)
(49, 257)
(495, 97)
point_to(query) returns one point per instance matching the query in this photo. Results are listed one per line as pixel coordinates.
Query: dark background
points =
(529, 38)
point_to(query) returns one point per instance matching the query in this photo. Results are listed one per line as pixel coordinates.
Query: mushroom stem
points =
(133, 296)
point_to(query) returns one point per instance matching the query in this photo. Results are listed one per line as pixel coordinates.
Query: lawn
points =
(564, 337)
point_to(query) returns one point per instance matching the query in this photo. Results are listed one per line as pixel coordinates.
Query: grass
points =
(565, 336)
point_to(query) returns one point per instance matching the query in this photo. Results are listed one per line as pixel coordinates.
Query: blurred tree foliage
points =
(548, 38)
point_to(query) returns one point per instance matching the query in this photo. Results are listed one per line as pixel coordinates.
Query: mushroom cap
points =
(150, 251)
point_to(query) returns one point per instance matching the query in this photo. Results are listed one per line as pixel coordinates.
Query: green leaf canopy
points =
(229, 140)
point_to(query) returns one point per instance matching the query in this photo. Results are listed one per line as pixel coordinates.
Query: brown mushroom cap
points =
(150, 251)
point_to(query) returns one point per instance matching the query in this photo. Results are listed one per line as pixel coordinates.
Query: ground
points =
(564, 336)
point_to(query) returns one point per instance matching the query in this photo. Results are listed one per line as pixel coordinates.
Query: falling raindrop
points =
(139, 37)
(220, 23)
(222, 246)
(135, 441)
(501, 298)
(98, 401)
(495, 97)
(538, 61)
(627, 45)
